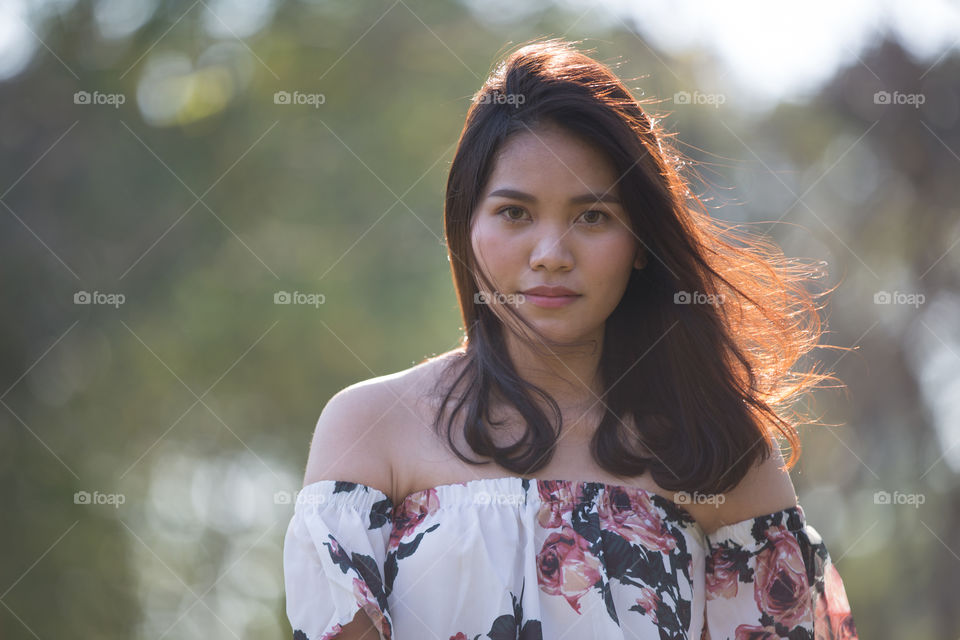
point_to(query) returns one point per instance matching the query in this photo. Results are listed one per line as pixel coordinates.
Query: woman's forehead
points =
(551, 161)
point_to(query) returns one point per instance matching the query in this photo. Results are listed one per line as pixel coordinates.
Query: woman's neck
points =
(569, 375)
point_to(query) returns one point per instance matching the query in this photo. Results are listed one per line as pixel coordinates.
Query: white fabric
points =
(471, 560)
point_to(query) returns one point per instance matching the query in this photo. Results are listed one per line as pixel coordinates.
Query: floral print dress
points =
(523, 559)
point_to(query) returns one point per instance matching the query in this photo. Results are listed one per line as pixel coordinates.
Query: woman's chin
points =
(562, 331)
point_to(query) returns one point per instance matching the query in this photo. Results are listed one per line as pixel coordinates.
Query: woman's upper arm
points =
(351, 439)
(349, 444)
(361, 628)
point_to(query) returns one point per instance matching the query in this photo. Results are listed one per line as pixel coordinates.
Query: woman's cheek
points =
(614, 266)
(497, 253)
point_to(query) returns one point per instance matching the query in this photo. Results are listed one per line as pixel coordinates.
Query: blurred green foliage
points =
(200, 197)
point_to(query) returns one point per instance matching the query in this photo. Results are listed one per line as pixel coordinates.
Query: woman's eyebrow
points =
(586, 198)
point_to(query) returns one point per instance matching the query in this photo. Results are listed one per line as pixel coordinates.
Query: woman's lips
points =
(549, 302)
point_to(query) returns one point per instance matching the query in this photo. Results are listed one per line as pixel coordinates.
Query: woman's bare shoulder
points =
(767, 488)
(362, 425)
(394, 393)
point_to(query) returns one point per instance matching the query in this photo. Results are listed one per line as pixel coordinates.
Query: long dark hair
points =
(703, 388)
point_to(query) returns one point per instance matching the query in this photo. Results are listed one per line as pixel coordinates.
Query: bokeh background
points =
(171, 173)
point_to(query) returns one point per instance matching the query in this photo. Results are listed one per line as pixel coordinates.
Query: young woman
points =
(623, 384)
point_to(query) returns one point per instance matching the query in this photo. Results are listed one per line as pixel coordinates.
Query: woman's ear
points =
(641, 260)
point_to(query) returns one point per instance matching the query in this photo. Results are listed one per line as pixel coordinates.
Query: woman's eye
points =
(592, 217)
(505, 212)
(601, 216)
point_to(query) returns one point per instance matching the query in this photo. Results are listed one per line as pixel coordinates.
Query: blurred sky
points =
(769, 51)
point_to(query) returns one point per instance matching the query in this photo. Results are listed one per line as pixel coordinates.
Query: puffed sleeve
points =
(333, 559)
(771, 577)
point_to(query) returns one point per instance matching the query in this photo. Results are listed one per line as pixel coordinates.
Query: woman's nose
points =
(551, 252)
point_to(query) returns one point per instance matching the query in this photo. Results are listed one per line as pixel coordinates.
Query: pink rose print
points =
(460, 636)
(834, 621)
(566, 567)
(649, 600)
(555, 501)
(410, 513)
(781, 587)
(632, 515)
(368, 603)
(722, 576)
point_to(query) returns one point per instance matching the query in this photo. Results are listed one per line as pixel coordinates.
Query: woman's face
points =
(551, 216)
